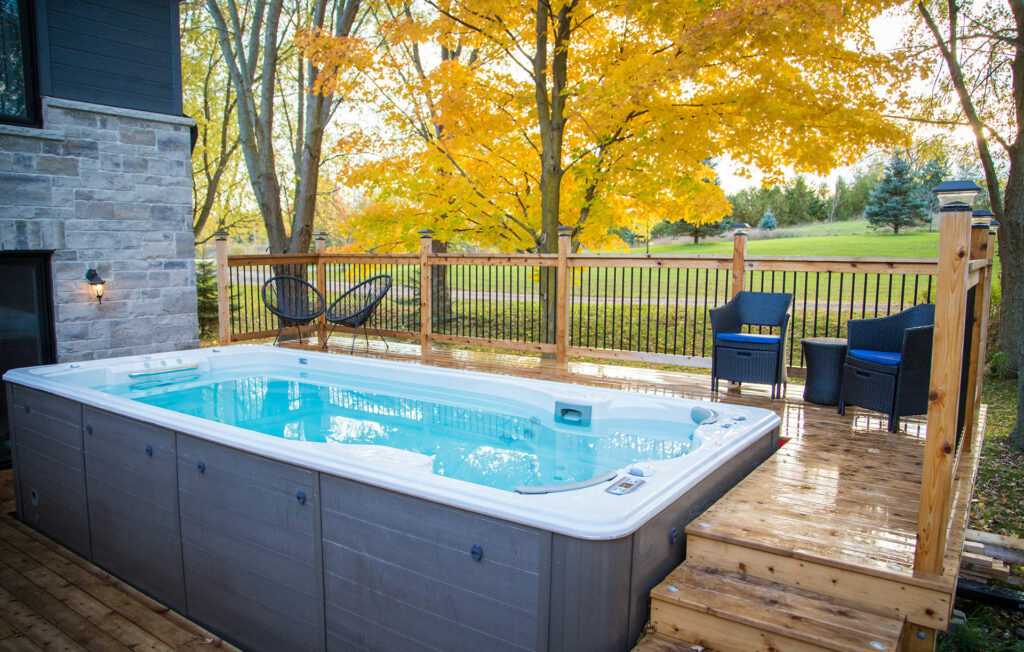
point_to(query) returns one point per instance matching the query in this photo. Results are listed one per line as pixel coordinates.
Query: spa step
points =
(892, 593)
(727, 611)
(655, 642)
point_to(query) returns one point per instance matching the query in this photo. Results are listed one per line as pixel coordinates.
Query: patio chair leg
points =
(841, 408)
(280, 327)
(894, 424)
(355, 336)
(381, 338)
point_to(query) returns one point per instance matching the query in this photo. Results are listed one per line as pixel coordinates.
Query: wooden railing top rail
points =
(841, 264)
(711, 261)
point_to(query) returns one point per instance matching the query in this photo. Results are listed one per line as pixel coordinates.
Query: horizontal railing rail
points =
(644, 307)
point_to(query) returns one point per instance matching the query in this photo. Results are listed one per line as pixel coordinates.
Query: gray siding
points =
(131, 476)
(122, 53)
(251, 549)
(47, 437)
(393, 560)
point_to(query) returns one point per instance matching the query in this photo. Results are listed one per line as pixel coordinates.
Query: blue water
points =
(477, 438)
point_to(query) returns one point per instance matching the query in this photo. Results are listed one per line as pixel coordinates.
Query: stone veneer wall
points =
(110, 189)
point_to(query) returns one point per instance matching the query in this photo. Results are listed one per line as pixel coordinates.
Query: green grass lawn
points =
(917, 244)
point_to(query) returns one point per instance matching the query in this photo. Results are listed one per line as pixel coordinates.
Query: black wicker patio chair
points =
(888, 363)
(750, 357)
(295, 303)
(356, 307)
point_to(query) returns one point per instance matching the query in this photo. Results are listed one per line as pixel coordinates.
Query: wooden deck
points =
(814, 550)
(52, 599)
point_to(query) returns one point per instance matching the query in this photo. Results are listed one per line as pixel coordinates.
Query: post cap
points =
(982, 212)
(426, 233)
(956, 195)
(320, 235)
(740, 229)
(564, 230)
(221, 235)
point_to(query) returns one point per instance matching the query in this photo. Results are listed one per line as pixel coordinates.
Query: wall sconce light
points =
(95, 284)
(956, 192)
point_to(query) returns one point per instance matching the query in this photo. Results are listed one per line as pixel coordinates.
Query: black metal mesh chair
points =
(750, 357)
(295, 303)
(356, 307)
(888, 363)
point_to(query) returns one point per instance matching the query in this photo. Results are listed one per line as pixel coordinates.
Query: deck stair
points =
(814, 550)
(727, 610)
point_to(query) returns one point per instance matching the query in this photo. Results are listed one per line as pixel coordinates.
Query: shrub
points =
(206, 299)
(768, 222)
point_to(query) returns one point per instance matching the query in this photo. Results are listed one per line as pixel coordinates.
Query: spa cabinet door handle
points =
(201, 466)
(301, 497)
(476, 552)
(149, 451)
(88, 428)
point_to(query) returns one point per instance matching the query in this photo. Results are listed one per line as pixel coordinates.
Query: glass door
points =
(26, 323)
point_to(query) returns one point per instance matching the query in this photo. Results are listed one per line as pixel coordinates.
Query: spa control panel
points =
(625, 485)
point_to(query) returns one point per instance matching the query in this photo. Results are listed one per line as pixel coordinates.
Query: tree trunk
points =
(551, 120)
(318, 112)
(1011, 311)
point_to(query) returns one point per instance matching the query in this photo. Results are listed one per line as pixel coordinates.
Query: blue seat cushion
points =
(747, 337)
(878, 357)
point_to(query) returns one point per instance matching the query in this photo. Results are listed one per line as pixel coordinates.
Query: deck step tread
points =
(655, 642)
(785, 611)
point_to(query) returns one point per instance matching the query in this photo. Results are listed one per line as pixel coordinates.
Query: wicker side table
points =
(825, 357)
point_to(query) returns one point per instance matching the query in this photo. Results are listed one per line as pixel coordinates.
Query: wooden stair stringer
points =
(891, 595)
(725, 611)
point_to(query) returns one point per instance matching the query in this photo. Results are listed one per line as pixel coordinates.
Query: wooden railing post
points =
(426, 237)
(739, 255)
(985, 286)
(223, 289)
(944, 388)
(321, 284)
(979, 248)
(562, 302)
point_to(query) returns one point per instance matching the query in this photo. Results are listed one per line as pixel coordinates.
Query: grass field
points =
(918, 244)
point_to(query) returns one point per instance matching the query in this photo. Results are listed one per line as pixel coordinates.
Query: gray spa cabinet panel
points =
(399, 574)
(47, 439)
(251, 547)
(132, 478)
(660, 545)
(590, 594)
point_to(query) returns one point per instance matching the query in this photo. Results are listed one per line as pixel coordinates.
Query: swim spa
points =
(293, 500)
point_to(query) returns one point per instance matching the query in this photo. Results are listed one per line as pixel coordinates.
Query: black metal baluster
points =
(675, 318)
(704, 329)
(686, 313)
(828, 302)
(888, 298)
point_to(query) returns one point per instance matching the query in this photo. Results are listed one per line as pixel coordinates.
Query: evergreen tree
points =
(896, 200)
(206, 299)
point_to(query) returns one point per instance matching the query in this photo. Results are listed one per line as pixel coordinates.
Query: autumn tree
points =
(535, 115)
(979, 49)
(220, 200)
(253, 35)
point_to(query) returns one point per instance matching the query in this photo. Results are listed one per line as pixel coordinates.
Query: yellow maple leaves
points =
(640, 96)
